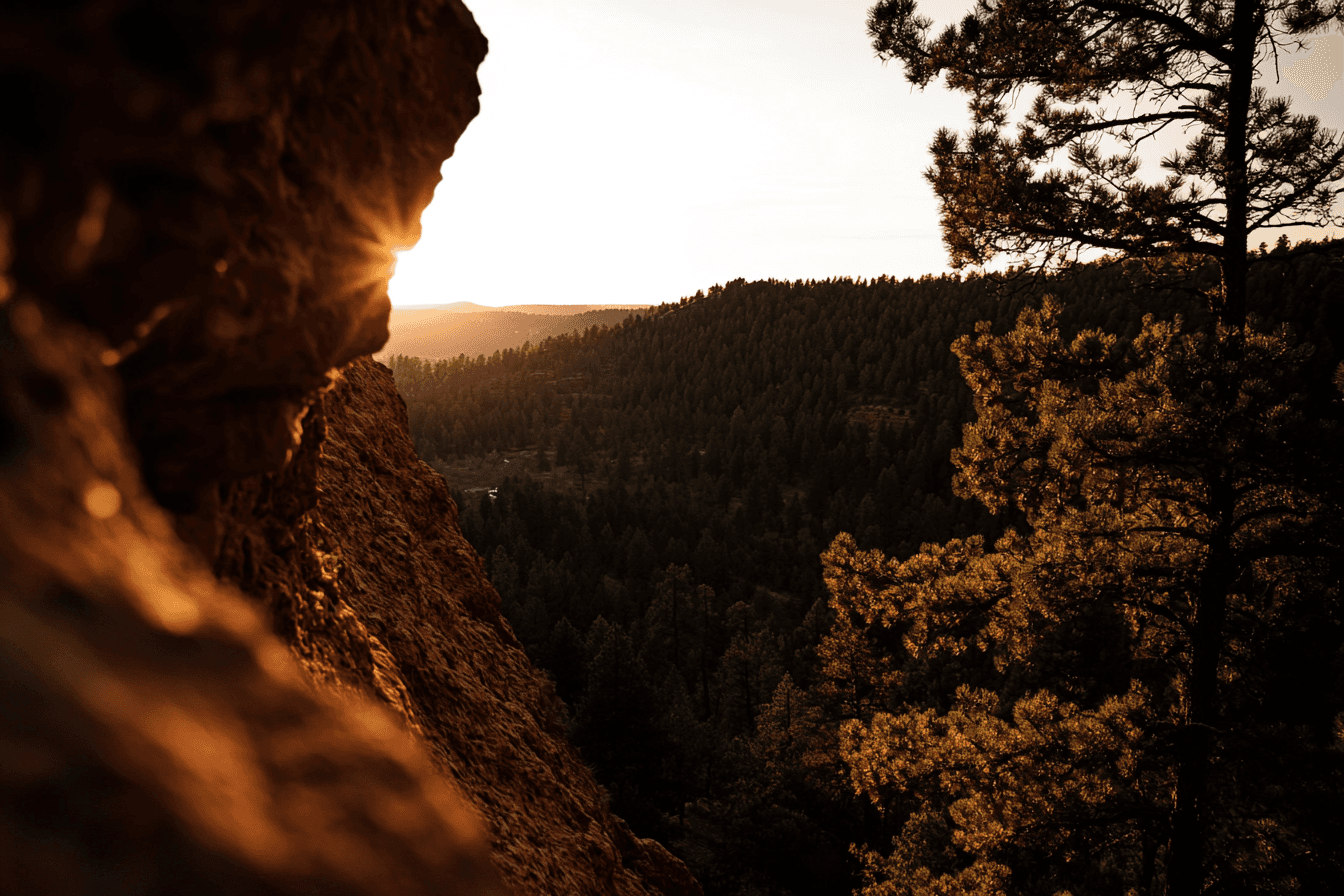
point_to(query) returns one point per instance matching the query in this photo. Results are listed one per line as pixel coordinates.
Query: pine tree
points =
(1087, 707)
(616, 726)
(1116, 701)
(1104, 77)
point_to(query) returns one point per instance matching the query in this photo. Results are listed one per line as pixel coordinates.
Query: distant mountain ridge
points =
(447, 331)
(472, 307)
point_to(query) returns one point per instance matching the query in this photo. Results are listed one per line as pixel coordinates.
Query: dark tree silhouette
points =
(1087, 707)
(1115, 702)
(1104, 77)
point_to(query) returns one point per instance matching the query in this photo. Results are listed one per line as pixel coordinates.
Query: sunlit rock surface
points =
(243, 645)
(154, 736)
(355, 547)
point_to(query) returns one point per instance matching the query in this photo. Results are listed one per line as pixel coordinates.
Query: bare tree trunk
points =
(1248, 17)
(1197, 742)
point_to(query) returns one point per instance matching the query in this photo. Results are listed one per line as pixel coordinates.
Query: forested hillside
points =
(672, 482)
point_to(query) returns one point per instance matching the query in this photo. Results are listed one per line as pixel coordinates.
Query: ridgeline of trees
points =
(670, 580)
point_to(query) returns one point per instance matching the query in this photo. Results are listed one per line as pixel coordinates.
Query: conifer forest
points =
(1021, 579)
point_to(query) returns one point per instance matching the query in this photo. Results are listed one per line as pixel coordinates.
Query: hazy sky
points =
(638, 150)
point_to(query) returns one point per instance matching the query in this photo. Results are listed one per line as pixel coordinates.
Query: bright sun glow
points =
(633, 153)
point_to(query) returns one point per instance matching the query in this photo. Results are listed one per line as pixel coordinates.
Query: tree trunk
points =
(1247, 20)
(1197, 740)
(1197, 745)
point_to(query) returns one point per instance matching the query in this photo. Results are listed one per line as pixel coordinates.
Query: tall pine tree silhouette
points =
(1113, 701)
(1105, 78)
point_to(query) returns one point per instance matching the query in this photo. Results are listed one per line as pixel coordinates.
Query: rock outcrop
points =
(154, 736)
(355, 549)
(244, 647)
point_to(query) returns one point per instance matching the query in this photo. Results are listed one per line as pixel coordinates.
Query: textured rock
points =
(379, 591)
(154, 736)
(243, 646)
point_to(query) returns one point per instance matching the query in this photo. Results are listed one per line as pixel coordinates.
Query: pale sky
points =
(635, 151)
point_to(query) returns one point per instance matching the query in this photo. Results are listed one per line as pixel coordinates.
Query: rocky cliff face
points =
(244, 647)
